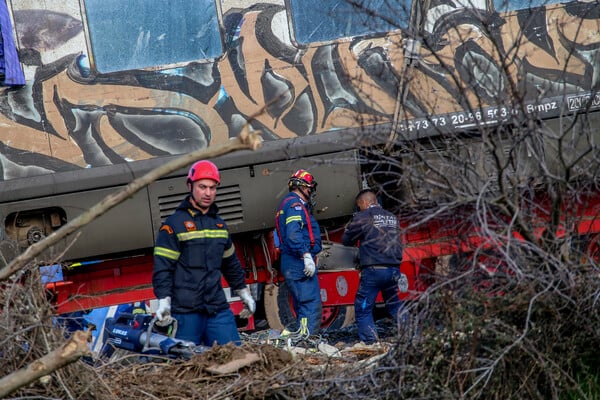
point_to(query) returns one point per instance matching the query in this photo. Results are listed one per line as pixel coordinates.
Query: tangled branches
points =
(522, 325)
(28, 333)
(527, 331)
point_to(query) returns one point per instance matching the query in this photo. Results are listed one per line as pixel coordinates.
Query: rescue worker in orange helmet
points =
(193, 251)
(300, 242)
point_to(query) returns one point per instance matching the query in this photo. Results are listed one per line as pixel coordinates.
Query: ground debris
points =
(362, 351)
(450, 348)
(222, 369)
(234, 365)
(249, 371)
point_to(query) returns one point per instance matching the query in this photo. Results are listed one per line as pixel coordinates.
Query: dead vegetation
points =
(538, 339)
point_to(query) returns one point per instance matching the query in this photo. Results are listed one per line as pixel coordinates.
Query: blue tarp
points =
(9, 60)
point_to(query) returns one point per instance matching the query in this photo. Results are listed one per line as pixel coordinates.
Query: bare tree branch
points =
(71, 351)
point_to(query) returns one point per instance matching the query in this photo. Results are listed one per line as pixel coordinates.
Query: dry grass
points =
(532, 333)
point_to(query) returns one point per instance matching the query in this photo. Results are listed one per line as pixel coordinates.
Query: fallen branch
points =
(234, 365)
(245, 141)
(71, 351)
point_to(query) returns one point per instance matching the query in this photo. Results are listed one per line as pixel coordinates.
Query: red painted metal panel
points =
(338, 287)
(117, 281)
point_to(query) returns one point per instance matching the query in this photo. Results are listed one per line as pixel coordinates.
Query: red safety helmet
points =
(302, 178)
(203, 169)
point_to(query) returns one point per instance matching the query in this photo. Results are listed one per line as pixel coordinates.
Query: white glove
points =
(163, 312)
(403, 283)
(248, 301)
(309, 265)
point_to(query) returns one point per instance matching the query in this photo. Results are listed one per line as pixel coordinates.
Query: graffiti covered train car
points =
(98, 92)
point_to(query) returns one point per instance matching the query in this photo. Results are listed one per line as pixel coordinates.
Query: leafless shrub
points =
(28, 331)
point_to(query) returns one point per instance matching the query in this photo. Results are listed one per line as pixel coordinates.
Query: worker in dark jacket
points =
(193, 251)
(300, 239)
(380, 251)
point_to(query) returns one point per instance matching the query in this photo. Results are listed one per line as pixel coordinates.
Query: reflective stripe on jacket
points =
(295, 237)
(192, 252)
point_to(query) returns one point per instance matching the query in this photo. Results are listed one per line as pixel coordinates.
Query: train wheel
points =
(280, 313)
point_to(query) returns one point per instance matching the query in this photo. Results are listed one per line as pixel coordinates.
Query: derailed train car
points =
(98, 92)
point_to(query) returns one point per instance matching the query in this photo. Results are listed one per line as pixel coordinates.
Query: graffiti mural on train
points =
(450, 69)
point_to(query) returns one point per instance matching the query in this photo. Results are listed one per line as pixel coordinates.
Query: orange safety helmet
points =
(203, 169)
(302, 178)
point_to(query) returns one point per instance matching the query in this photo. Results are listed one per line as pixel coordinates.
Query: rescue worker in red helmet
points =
(193, 251)
(300, 242)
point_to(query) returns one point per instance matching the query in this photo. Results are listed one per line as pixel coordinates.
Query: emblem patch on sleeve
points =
(190, 226)
(167, 229)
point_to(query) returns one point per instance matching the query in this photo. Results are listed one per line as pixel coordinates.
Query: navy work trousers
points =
(205, 329)
(372, 281)
(307, 301)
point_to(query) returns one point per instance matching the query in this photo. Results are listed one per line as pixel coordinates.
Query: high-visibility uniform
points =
(299, 234)
(192, 252)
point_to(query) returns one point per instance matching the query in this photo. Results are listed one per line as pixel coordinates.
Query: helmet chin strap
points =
(309, 198)
(189, 185)
(301, 189)
(312, 201)
(194, 202)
